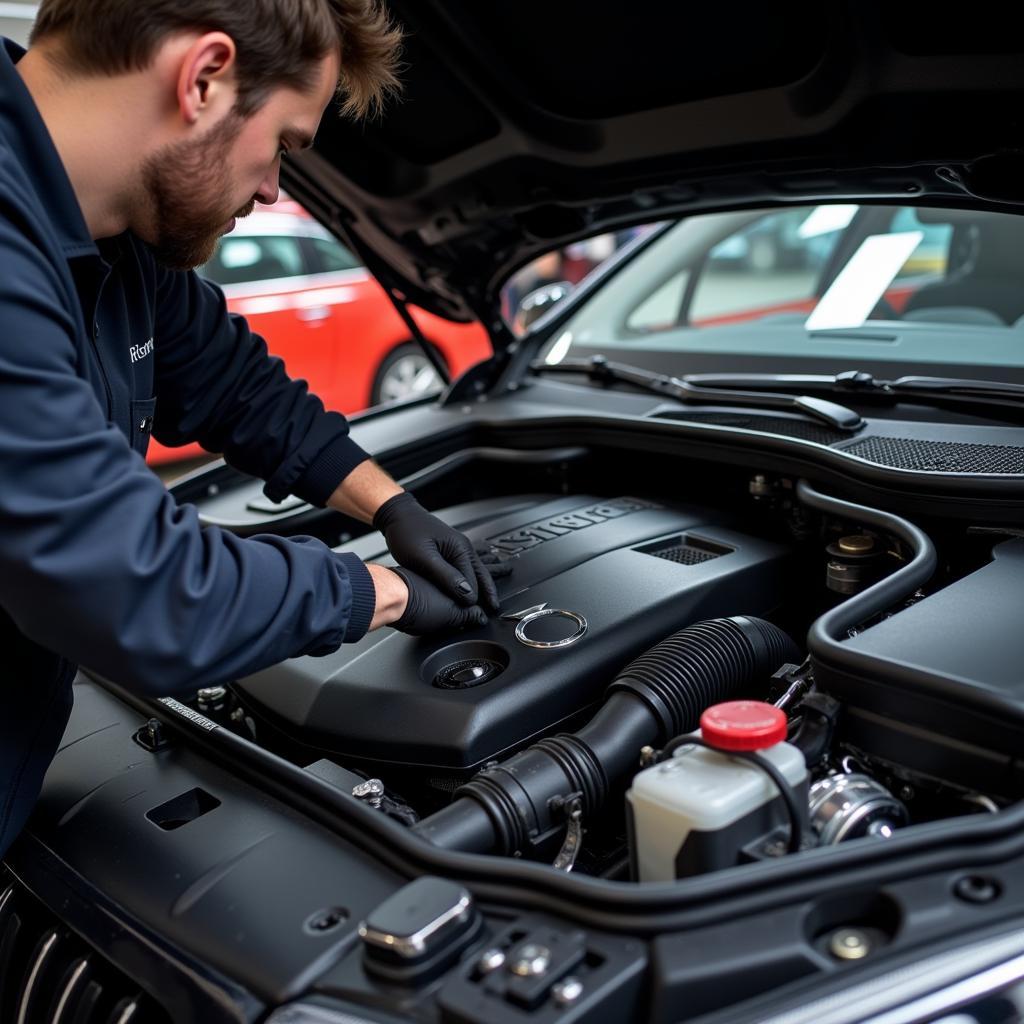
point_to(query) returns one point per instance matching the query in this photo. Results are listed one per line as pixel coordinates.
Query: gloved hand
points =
(497, 568)
(429, 610)
(421, 542)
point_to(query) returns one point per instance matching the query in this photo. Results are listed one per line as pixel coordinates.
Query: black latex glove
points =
(429, 610)
(494, 565)
(445, 557)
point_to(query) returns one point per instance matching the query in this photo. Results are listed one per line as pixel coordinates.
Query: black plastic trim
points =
(975, 498)
(186, 986)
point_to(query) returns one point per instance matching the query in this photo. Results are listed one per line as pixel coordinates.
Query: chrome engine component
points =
(849, 806)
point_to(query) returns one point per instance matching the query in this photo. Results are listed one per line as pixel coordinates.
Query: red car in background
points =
(326, 316)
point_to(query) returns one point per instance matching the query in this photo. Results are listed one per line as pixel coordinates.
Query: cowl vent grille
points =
(802, 430)
(939, 456)
(48, 974)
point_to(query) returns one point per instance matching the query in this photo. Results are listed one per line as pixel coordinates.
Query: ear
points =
(206, 77)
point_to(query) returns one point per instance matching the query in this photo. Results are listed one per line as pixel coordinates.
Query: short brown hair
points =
(278, 41)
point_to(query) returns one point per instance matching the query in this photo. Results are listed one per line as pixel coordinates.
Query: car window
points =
(328, 255)
(560, 270)
(931, 256)
(764, 283)
(662, 308)
(241, 259)
(773, 264)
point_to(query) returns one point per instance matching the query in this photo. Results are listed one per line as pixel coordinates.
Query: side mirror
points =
(536, 303)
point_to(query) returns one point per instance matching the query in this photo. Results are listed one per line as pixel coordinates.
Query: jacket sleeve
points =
(99, 563)
(218, 385)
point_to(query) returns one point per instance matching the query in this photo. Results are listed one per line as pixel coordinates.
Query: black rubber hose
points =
(825, 641)
(509, 807)
(701, 665)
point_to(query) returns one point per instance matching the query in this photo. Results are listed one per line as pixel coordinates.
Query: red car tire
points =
(403, 373)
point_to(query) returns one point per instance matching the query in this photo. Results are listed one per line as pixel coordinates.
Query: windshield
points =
(819, 287)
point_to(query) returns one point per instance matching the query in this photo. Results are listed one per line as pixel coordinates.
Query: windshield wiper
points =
(685, 389)
(942, 389)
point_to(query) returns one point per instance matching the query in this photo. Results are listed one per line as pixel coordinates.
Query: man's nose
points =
(269, 189)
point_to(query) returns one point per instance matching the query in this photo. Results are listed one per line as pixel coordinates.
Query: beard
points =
(184, 188)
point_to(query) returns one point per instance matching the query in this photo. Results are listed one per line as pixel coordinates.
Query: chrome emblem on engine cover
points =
(526, 616)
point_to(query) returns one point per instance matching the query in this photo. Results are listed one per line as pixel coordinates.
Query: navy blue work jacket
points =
(100, 347)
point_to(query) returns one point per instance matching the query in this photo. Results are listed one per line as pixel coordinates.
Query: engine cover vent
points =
(939, 456)
(685, 555)
(684, 550)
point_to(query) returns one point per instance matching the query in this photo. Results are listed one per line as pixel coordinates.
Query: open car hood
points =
(525, 125)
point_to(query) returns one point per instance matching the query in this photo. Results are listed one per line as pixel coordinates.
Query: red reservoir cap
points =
(743, 725)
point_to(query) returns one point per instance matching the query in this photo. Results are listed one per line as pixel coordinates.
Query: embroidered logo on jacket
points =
(138, 352)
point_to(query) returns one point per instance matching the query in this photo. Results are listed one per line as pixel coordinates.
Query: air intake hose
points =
(518, 804)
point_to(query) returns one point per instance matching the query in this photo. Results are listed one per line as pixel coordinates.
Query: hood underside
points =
(525, 125)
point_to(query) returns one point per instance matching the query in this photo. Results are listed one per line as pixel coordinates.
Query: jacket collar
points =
(23, 130)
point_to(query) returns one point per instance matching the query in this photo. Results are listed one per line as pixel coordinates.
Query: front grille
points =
(939, 456)
(48, 974)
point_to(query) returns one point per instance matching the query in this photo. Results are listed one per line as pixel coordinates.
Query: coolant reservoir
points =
(702, 810)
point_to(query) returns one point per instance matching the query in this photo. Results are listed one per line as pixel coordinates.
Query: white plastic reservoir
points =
(709, 798)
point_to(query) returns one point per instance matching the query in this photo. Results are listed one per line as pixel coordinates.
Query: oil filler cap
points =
(420, 931)
(743, 725)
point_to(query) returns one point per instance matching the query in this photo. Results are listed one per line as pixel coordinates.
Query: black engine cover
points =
(634, 570)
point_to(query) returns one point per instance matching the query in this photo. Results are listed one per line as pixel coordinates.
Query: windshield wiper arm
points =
(684, 389)
(854, 381)
(955, 386)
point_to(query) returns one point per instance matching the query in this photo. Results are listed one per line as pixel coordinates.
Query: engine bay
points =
(733, 707)
(592, 725)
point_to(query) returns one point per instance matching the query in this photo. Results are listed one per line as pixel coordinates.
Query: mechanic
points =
(131, 136)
